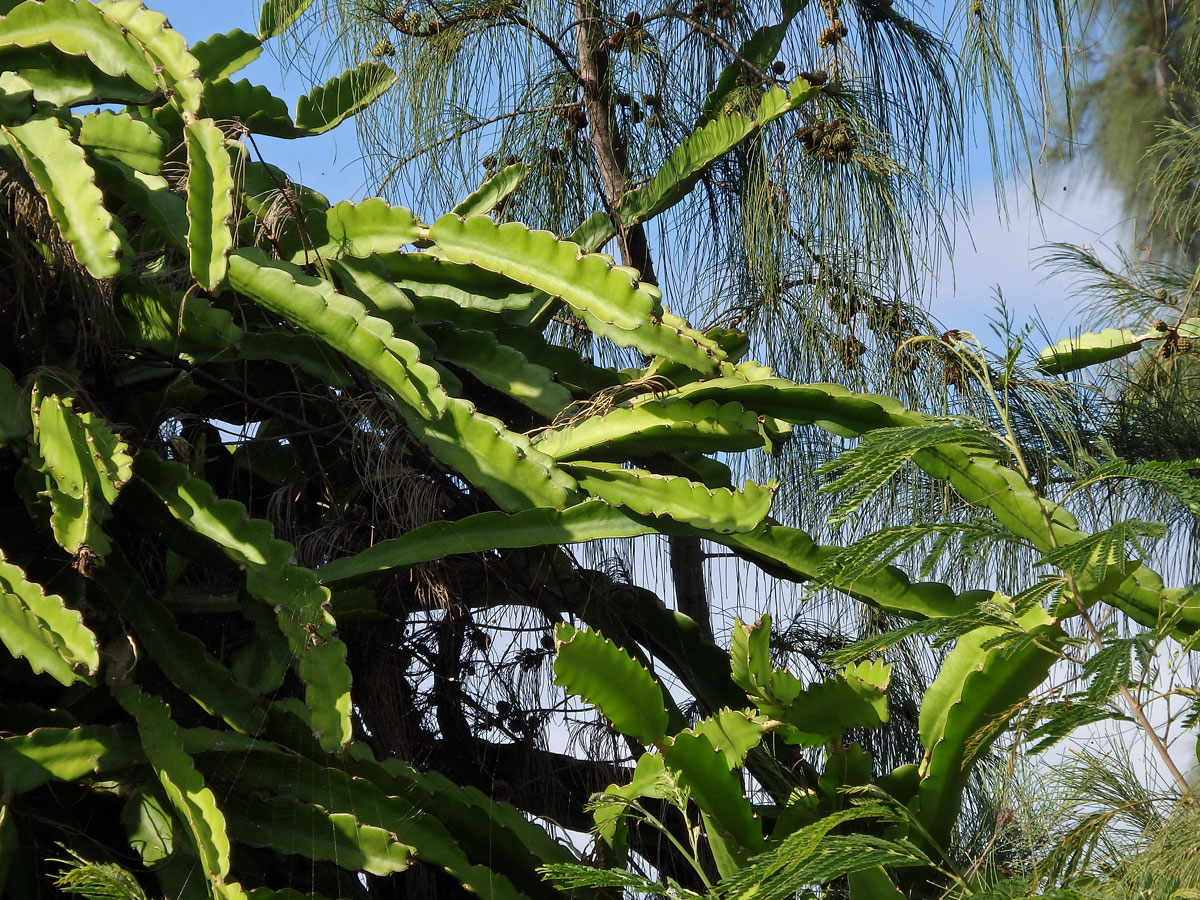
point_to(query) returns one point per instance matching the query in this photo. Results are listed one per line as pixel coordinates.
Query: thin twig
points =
(198, 372)
(559, 53)
(721, 42)
(475, 126)
(1131, 701)
(572, 323)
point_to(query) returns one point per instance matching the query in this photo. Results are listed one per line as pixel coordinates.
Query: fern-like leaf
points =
(1093, 554)
(1068, 717)
(880, 454)
(97, 881)
(776, 874)
(878, 550)
(1048, 590)
(569, 876)
(1176, 478)
(879, 642)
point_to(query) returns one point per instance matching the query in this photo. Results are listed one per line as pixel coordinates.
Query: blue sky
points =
(329, 163)
(990, 252)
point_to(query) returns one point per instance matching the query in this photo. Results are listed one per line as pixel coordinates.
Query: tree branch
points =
(611, 160)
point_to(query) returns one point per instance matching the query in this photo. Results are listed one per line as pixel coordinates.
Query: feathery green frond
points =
(867, 467)
(798, 862)
(97, 881)
(571, 876)
(1095, 553)
(1175, 478)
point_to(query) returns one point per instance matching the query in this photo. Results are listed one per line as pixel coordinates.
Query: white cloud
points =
(998, 249)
